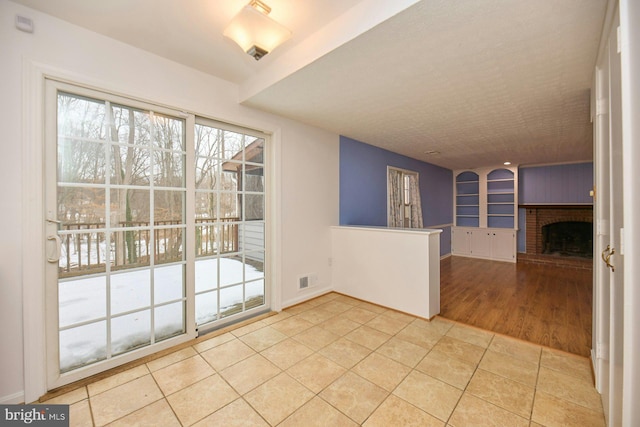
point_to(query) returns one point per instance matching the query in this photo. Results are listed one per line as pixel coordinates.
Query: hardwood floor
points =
(546, 305)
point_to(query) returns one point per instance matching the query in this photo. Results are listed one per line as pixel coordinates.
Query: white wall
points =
(312, 179)
(306, 158)
(397, 268)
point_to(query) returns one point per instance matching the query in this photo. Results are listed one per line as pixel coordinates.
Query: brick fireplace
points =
(571, 248)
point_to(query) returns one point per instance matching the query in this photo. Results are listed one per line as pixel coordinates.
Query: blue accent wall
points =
(445, 241)
(363, 188)
(562, 184)
(558, 184)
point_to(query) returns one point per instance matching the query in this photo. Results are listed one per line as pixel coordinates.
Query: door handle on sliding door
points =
(56, 238)
(606, 258)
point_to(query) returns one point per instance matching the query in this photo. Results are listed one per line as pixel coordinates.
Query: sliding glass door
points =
(154, 226)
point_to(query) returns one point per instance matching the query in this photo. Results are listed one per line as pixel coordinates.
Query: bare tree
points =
(123, 174)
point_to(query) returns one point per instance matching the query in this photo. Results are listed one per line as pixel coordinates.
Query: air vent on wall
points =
(307, 281)
(24, 24)
(303, 282)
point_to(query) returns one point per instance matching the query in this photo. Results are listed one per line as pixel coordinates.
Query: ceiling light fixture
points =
(506, 163)
(254, 31)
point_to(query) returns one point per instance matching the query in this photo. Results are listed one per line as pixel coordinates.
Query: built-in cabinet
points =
(491, 243)
(486, 219)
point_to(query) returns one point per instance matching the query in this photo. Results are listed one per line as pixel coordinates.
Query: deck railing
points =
(84, 250)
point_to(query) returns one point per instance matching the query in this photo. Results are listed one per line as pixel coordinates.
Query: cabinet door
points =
(503, 245)
(481, 243)
(460, 241)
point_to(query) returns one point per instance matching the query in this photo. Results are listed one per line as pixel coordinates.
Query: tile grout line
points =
(93, 421)
(390, 393)
(371, 351)
(252, 407)
(477, 366)
(535, 393)
(164, 397)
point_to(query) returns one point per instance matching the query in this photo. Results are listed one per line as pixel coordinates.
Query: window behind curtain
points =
(403, 202)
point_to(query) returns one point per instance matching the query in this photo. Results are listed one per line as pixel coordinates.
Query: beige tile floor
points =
(337, 361)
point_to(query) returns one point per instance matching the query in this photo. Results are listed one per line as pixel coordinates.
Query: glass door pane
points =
(230, 223)
(120, 197)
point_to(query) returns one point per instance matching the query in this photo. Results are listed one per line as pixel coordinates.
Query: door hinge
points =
(602, 351)
(602, 106)
(618, 40)
(602, 227)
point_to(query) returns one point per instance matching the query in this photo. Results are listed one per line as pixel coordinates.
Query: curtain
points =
(396, 219)
(416, 205)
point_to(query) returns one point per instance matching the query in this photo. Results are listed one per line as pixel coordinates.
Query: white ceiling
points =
(478, 81)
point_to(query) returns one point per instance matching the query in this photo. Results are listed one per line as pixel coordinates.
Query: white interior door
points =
(616, 270)
(602, 215)
(609, 265)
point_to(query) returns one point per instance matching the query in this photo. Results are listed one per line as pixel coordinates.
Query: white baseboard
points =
(445, 256)
(12, 398)
(310, 294)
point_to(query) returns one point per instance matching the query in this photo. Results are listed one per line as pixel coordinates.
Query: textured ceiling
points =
(479, 82)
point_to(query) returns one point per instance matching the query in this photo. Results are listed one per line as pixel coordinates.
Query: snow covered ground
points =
(84, 299)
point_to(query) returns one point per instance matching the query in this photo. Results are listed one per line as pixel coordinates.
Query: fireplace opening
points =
(568, 238)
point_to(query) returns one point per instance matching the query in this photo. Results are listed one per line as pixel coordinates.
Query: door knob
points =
(607, 258)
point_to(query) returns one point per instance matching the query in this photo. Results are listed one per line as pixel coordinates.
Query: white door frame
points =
(628, 40)
(33, 248)
(609, 291)
(630, 70)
